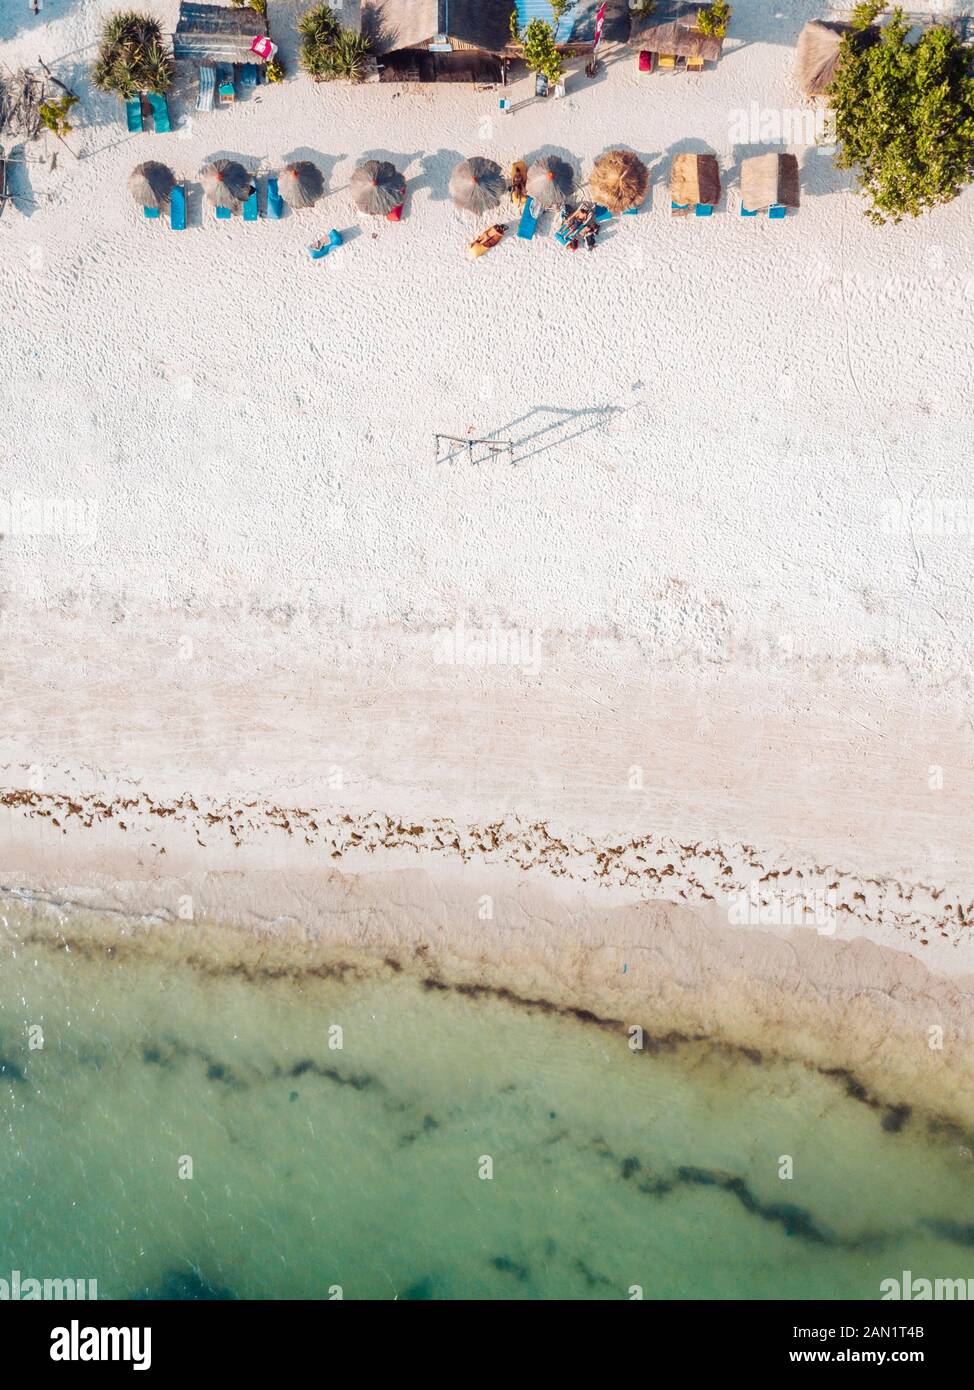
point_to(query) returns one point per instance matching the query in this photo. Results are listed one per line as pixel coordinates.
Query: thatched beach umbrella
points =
(151, 184)
(477, 185)
(619, 180)
(226, 183)
(768, 179)
(694, 178)
(820, 48)
(550, 181)
(377, 187)
(300, 184)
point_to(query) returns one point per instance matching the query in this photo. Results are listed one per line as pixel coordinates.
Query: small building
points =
(216, 33)
(669, 35)
(437, 40)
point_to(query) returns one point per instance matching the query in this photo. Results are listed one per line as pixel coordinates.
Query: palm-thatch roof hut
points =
(768, 180)
(377, 187)
(671, 27)
(151, 184)
(226, 183)
(550, 181)
(217, 33)
(300, 184)
(819, 49)
(695, 178)
(619, 180)
(477, 185)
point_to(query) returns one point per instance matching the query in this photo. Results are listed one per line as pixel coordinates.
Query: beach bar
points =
(438, 40)
(217, 34)
(669, 40)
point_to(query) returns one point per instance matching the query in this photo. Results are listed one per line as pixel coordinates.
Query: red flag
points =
(599, 24)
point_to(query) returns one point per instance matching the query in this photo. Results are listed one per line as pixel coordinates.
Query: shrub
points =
(904, 118)
(131, 57)
(54, 115)
(714, 20)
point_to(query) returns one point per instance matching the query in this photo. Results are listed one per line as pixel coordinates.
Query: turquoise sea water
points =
(316, 1168)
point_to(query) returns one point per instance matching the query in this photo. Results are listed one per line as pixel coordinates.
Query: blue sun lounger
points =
(226, 91)
(177, 208)
(703, 209)
(746, 213)
(207, 94)
(602, 214)
(248, 75)
(334, 239)
(133, 114)
(160, 113)
(275, 203)
(777, 211)
(151, 213)
(251, 210)
(679, 207)
(223, 214)
(528, 224)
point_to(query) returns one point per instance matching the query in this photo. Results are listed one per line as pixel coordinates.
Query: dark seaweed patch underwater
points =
(181, 1134)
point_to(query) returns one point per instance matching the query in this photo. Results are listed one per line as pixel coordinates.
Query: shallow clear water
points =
(315, 1167)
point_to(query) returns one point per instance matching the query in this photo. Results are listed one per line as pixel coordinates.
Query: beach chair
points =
(322, 248)
(395, 214)
(275, 203)
(679, 209)
(645, 61)
(248, 75)
(204, 102)
(777, 211)
(528, 224)
(133, 114)
(223, 214)
(667, 62)
(694, 65)
(745, 212)
(703, 210)
(251, 210)
(226, 91)
(602, 214)
(160, 113)
(177, 208)
(151, 213)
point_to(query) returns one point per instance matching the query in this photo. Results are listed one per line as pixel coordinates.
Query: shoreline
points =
(850, 1008)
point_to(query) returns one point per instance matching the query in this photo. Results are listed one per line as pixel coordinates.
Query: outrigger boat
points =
(487, 239)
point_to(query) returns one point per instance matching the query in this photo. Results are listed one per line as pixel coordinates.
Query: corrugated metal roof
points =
(577, 24)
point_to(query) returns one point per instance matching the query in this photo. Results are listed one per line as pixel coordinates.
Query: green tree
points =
(327, 50)
(714, 20)
(904, 118)
(866, 13)
(54, 115)
(131, 57)
(538, 46)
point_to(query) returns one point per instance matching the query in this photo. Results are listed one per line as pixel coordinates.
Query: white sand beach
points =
(705, 641)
